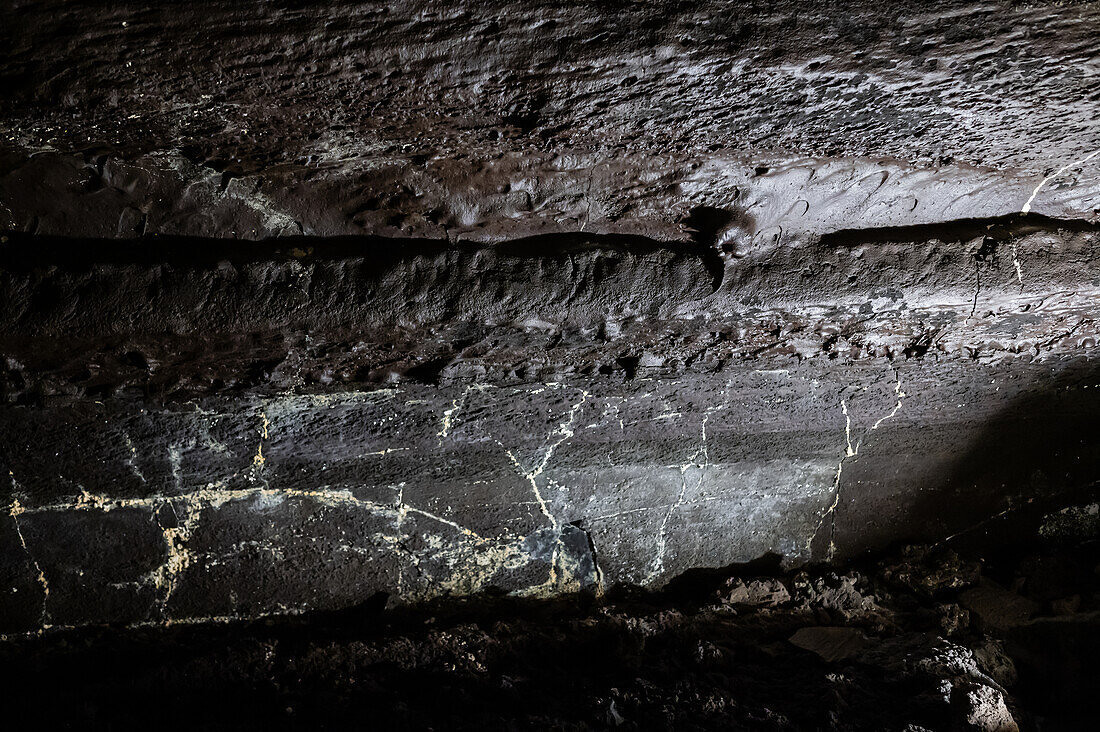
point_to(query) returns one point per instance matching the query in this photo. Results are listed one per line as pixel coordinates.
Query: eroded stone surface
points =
(493, 120)
(852, 649)
(532, 297)
(237, 506)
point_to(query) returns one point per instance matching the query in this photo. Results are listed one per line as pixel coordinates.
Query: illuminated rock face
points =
(305, 305)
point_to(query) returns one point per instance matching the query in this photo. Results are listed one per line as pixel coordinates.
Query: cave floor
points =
(921, 639)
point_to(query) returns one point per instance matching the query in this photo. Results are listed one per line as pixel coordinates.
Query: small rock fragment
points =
(997, 664)
(757, 593)
(832, 644)
(995, 607)
(985, 710)
(840, 595)
(922, 571)
(953, 619)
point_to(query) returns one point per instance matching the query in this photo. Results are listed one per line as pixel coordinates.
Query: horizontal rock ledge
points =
(237, 507)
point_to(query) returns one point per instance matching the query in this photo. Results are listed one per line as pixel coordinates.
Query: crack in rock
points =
(188, 507)
(562, 575)
(457, 404)
(1027, 205)
(658, 564)
(258, 459)
(565, 431)
(850, 451)
(15, 511)
(1016, 263)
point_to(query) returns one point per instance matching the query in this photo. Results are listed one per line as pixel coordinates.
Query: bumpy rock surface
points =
(303, 303)
(865, 649)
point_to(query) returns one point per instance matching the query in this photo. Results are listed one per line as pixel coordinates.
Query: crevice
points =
(26, 252)
(957, 231)
(597, 571)
(977, 287)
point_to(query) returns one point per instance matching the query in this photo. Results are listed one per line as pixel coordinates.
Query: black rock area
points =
(641, 364)
(924, 639)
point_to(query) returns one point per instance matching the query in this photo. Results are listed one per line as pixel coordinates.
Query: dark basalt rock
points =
(308, 310)
(845, 651)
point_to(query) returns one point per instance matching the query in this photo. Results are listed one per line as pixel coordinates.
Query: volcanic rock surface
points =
(913, 642)
(310, 305)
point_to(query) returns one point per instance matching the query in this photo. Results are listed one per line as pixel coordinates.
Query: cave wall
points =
(306, 302)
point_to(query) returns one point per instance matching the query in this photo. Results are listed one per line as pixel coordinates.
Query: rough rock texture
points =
(865, 649)
(496, 119)
(304, 303)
